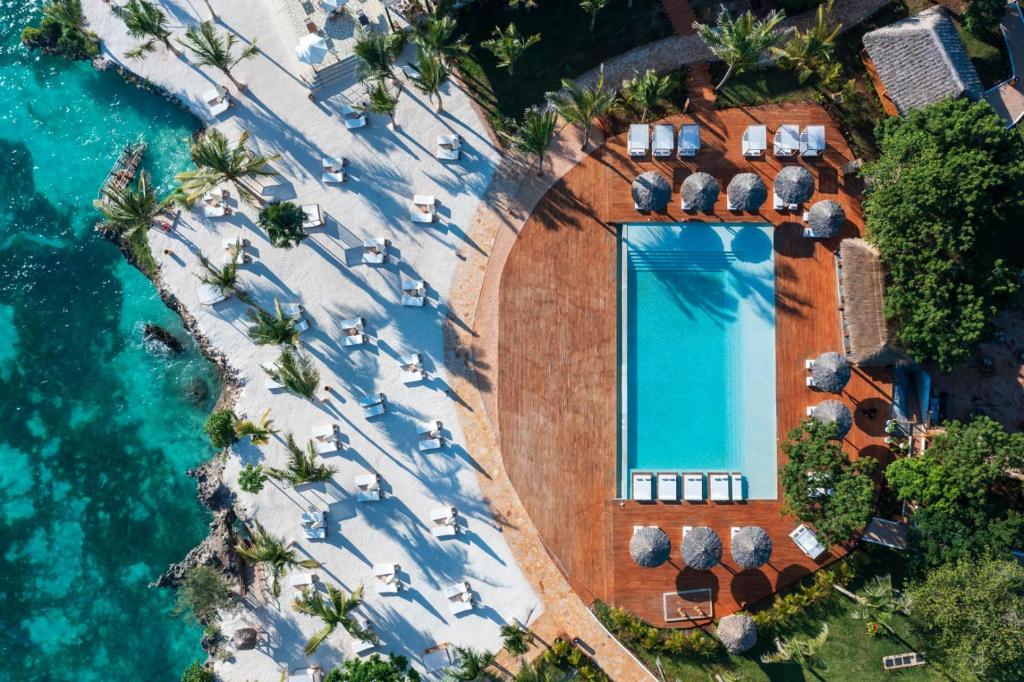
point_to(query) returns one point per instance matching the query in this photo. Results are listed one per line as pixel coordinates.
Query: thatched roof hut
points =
(702, 548)
(830, 372)
(700, 192)
(737, 632)
(794, 185)
(863, 281)
(834, 411)
(751, 547)
(651, 191)
(826, 218)
(746, 192)
(649, 547)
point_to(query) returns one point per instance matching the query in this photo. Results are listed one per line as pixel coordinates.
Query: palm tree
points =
(295, 371)
(65, 13)
(810, 52)
(432, 76)
(335, 610)
(274, 328)
(381, 100)
(647, 91)
(879, 601)
(516, 639)
(507, 46)
(741, 42)
(128, 211)
(538, 670)
(533, 136)
(581, 105)
(592, 7)
(224, 278)
(144, 21)
(259, 432)
(800, 650)
(436, 34)
(266, 548)
(377, 53)
(218, 161)
(216, 50)
(303, 466)
(472, 665)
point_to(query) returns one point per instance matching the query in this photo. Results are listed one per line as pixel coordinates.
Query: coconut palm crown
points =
(508, 46)
(432, 76)
(265, 548)
(810, 52)
(377, 53)
(218, 161)
(211, 48)
(224, 277)
(581, 105)
(145, 21)
(128, 211)
(743, 41)
(436, 34)
(534, 134)
(472, 665)
(295, 371)
(335, 610)
(259, 431)
(303, 465)
(272, 329)
(647, 91)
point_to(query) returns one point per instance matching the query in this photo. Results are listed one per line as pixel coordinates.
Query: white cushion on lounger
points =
(643, 487)
(693, 487)
(719, 487)
(668, 487)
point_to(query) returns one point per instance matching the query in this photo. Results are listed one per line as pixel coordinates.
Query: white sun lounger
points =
(217, 100)
(755, 140)
(643, 487)
(428, 444)
(438, 657)
(352, 331)
(807, 541)
(306, 675)
(460, 597)
(428, 428)
(355, 339)
(424, 206)
(314, 524)
(443, 514)
(412, 368)
(375, 410)
(736, 486)
(387, 578)
(719, 485)
(812, 141)
(325, 431)
(689, 140)
(639, 139)
(367, 487)
(779, 206)
(668, 487)
(327, 447)
(354, 118)
(693, 487)
(373, 404)
(209, 294)
(301, 579)
(663, 141)
(414, 292)
(314, 217)
(449, 147)
(375, 250)
(787, 140)
(333, 170)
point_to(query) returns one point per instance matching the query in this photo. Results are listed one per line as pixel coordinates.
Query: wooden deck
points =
(557, 365)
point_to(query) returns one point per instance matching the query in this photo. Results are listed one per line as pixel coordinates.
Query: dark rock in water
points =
(197, 391)
(159, 336)
(245, 638)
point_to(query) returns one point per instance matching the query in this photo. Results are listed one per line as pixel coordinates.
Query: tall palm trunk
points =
(237, 83)
(728, 74)
(593, 20)
(440, 104)
(170, 46)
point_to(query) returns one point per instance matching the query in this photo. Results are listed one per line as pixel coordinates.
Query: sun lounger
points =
(812, 141)
(911, 659)
(424, 206)
(215, 210)
(209, 294)
(787, 140)
(301, 579)
(719, 484)
(314, 217)
(217, 100)
(736, 487)
(460, 597)
(412, 368)
(306, 675)
(354, 118)
(445, 522)
(355, 339)
(292, 309)
(373, 405)
(449, 147)
(387, 578)
(643, 487)
(314, 524)
(779, 206)
(438, 658)
(663, 140)
(352, 331)
(668, 487)
(693, 487)
(443, 514)
(367, 487)
(325, 431)
(807, 541)
(428, 444)
(639, 139)
(375, 251)
(689, 140)
(410, 71)
(430, 428)
(755, 140)
(414, 292)
(333, 170)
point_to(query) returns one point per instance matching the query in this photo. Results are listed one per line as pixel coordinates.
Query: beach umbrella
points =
(826, 218)
(651, 191)
(751, 547)
(737, 632)
(794, 185)
(835, 411)
(830, 372)
(746, 192)
(311, 49)
(702, 548)
(245, 638)
(649, 546)
(700, 192)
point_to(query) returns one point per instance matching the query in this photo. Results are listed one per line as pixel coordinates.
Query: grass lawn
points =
(566, 49)
(760, 86)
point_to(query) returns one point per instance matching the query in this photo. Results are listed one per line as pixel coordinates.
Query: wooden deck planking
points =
(557, 375)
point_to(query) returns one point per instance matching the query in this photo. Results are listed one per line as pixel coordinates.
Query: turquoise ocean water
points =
(95, 432)
(700, 351)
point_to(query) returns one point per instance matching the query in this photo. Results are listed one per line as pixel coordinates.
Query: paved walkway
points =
(1008, 98)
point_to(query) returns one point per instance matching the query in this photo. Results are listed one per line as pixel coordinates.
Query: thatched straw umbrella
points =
(649, 547)
(830, 372)
(651, 191)
(700, 192)
(751, 547)
(702, 548)
(835, 411)
(794, 185)
(826, 218)
(746, 192)
(737, 632)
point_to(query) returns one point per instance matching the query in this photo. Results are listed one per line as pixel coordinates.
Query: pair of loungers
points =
(327, 439)
(429, 434)
(723, 487)
(664, 141)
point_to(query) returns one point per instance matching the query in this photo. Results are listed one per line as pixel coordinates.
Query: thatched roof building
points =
(872, 342)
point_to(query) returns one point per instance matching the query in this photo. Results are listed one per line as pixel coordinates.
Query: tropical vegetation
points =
(304, 466)
(647, 91)
(983, 17)
(743, 41)
(272, 328)
(381, 100)
(436, 34)
(211, 48)
(534, 134)
(266, 548)
(145, 21)
(252, 478)
(374, 669)
(295, 372)
(220, 428)
(516, 639)
(204, 594)
(431, 76)
(335, 610)
(129, 211)
(593, 7)
(582, 105)
(376, 53)
(282, 221)
(259, 431)
(224, 278)
(62, 31)
(810, 53)
(507, 46)
(197, 672)
(218, 161)
(472, 665)
(802, 651)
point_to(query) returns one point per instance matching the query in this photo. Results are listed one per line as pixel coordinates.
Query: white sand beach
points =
(327, 276)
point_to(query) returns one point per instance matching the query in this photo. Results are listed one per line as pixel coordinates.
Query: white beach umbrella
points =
(311, 49)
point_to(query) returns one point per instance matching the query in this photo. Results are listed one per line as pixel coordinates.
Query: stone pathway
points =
(1008, 98)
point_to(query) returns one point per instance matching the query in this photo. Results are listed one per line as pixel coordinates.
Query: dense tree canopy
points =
(945, 209)
(963, 494)
(970, 615)
(374, 669)
(823, 487)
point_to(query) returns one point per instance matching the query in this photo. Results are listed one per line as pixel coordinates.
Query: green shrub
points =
(197, 673)
(982, 18)
(62, 31)
(636, 633)
(283, 223)
(786, 608)
(203, 594)
(251, 478)
(32, 37)
(220, 427)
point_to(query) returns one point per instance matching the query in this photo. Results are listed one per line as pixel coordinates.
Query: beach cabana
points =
(793, 186)
(651, 192)
(649, 546)
(830, 372)
(833, 411)
(825, 219)
(737, 633)
(746, 192)
(751, 547)
(702, 548)
(312, 49)
(699, 192)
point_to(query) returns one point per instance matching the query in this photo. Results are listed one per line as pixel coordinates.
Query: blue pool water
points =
(95, 432)
(699, 338)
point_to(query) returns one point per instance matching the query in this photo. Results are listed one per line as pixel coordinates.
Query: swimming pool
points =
(697, 344)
